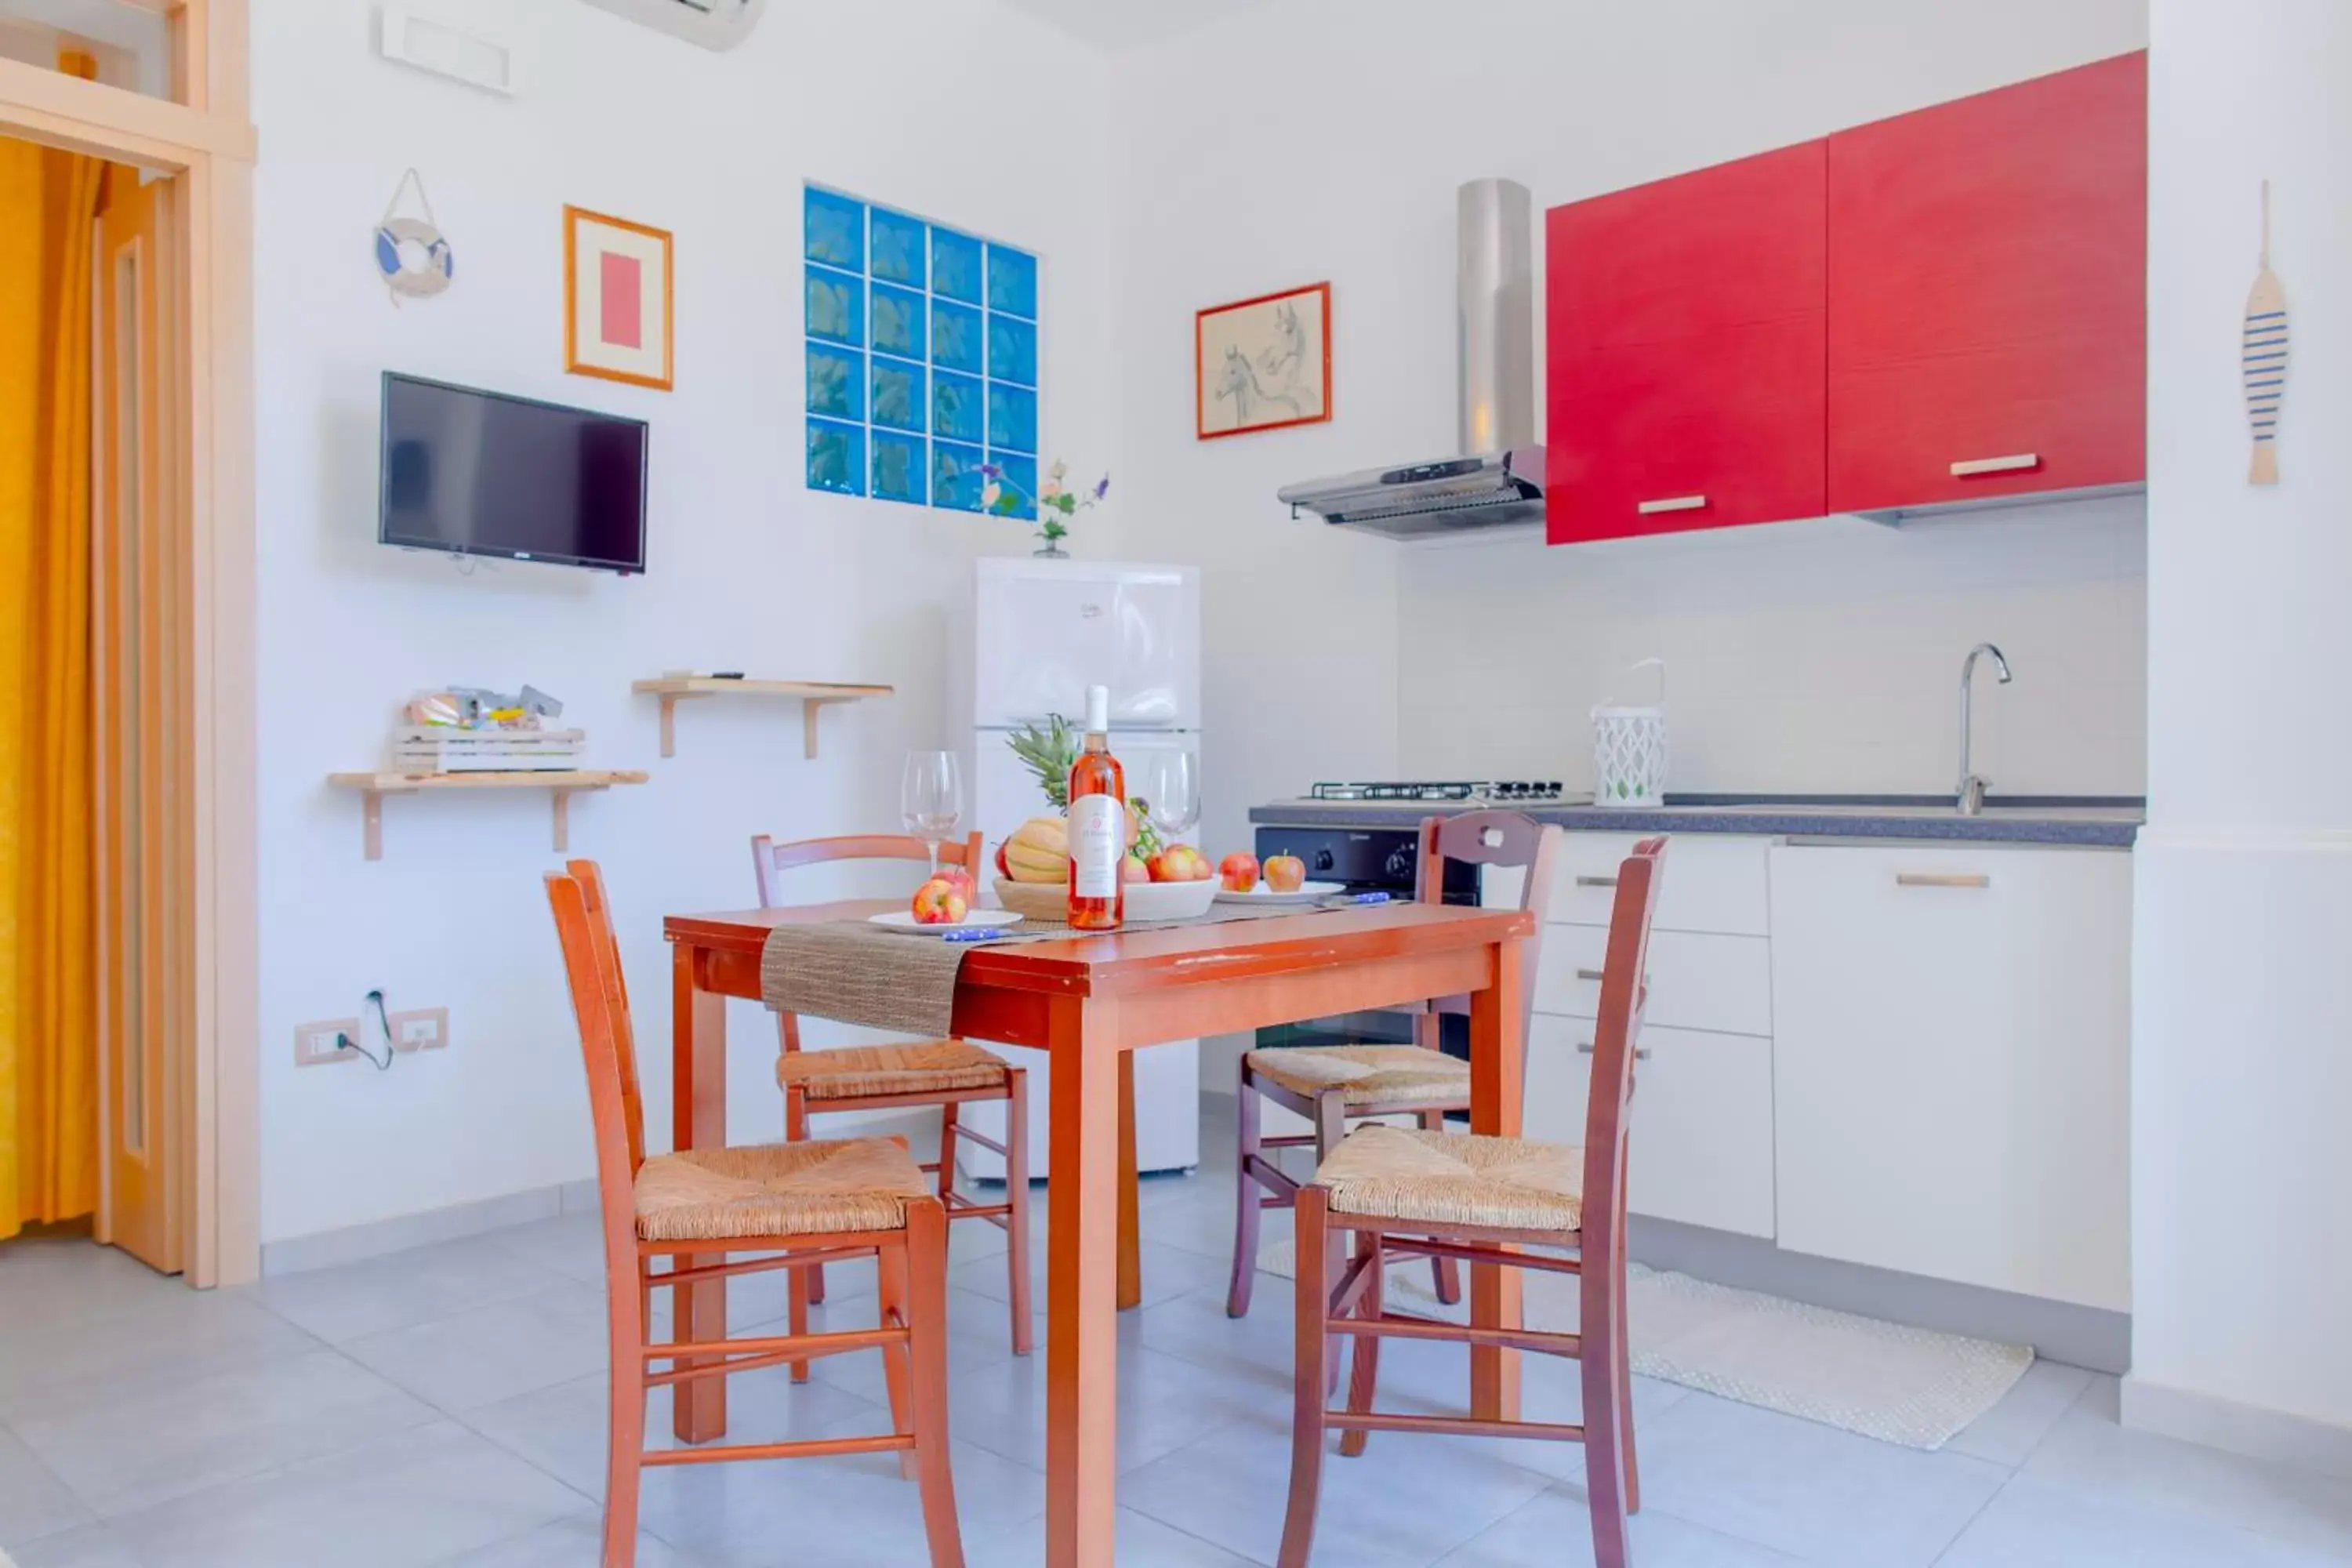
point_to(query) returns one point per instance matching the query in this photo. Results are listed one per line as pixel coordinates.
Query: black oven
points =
(1365, 860)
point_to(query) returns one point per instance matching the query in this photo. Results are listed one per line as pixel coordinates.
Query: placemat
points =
(858, 972)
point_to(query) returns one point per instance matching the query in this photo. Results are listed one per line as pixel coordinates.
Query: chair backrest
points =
(771, 861)
(1511, 840)
(591, 878)
(590, 964)
(1616, 1036)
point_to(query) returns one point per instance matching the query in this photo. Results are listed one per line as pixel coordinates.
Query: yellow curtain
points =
(48, 938)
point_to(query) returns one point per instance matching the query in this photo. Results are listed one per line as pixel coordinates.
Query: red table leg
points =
(698, 1120)
(1497, 1068)
(1082, 1285)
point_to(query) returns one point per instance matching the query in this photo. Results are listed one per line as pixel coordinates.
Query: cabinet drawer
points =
(1697, 980)
(1701, 1135)
(1714, 882)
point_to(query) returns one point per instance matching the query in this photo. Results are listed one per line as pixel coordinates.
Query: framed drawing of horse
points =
(1263, 364)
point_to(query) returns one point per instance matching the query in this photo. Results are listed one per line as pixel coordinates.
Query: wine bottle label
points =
(1096, 830)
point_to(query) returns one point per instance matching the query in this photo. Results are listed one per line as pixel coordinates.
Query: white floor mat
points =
(1909, 1386)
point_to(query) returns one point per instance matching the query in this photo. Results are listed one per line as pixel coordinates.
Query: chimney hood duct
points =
(1498, 479)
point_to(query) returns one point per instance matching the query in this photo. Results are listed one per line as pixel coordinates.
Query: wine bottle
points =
(1097, 824)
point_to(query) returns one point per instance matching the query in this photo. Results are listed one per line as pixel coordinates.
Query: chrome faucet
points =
(1972, 788)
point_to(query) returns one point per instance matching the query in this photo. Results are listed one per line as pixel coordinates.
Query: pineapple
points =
(1048, 751)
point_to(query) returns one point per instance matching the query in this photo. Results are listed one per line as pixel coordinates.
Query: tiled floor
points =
(447, 1407)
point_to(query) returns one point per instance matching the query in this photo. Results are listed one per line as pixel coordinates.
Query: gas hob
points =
(1422, 792)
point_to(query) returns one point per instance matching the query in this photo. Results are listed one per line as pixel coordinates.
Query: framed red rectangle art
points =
(617, 295)
(1263, 364)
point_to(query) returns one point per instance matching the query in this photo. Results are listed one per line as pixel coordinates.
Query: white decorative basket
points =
(1629, 750)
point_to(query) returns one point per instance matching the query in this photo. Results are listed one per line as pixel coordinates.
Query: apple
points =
(1002, 870)
(1131, 869)
(1285, 873)
(939, 903)
(1238, 872)
(961, 878)
(1179, 863)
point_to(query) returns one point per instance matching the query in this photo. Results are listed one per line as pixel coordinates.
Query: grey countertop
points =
(2102, 822)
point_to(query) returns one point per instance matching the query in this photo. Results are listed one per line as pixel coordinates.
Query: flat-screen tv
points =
(481, 473)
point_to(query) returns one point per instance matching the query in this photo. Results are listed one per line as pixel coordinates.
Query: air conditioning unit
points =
(713, 24)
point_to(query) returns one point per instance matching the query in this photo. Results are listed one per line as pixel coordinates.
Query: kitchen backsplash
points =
(1819, 655)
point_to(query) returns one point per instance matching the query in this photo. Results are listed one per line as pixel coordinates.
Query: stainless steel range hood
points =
(1499, 479)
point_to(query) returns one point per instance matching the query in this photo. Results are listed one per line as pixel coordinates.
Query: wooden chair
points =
(945, 1073)
(1407, 1192)
(796, 1204)
(1334, 1085)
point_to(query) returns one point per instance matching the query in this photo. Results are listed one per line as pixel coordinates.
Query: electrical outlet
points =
(420, 1029)
(315, 1045)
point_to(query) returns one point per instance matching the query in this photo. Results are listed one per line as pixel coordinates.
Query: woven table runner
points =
(858, 972)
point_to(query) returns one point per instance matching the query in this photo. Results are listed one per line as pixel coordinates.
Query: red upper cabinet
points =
(1987, 295)
(1685, 382)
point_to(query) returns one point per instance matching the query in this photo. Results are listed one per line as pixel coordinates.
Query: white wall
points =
(1814, 657)
(1325, 139)
(2242, 1174)
(933, 105)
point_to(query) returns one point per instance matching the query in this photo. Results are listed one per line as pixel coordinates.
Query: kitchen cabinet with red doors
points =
(1987, 321)
(1685, 332)
(1944, 308)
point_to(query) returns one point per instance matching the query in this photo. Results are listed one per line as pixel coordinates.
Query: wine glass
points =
(931, 798)
(1171, 784)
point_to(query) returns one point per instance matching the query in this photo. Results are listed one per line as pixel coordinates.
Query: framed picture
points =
(1263, 363)
(616, 300)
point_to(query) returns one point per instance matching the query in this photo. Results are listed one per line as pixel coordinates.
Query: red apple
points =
(1132, 869)
(1238, 872)
(1285, 873)
(1178, 863)
(961, 878)
(1002, 870)
(939, 903)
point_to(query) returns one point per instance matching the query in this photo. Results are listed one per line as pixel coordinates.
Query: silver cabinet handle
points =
(1596, 881)
(1586, 1049)
(1596, 974)
(2016, 462)
(1672, 503)
(1937, 880)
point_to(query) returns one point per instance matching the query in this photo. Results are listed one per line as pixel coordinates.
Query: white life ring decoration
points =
(410, 256)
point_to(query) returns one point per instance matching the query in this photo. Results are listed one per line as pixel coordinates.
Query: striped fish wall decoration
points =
(2264, 361)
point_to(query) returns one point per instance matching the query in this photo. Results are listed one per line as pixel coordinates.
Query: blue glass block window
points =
(898, 396)
(1021, 478)
(921, 356)
(836, 457)
(957, 342)
(956, 479)
(899, 246)
(898, 468)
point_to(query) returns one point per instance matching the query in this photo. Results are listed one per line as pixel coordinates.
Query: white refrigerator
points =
(1041, 632)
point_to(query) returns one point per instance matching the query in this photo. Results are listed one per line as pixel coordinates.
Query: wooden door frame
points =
(205, 138)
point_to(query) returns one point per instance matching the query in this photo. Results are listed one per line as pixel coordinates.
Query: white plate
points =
(977, 920)
(1308, 893)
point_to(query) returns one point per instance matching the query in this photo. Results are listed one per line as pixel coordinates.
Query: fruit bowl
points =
(1145, 900)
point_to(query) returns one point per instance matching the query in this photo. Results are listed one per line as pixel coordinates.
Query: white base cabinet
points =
(1701, 1135)
(1950, 1063)
(1700, 1143)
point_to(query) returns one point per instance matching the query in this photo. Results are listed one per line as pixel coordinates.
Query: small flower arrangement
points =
(1056, 505)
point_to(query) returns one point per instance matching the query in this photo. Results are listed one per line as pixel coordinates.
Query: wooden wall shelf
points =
(374, 787)
(813, 696)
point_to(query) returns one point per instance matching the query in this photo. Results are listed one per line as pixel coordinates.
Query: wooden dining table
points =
(1091, 1001)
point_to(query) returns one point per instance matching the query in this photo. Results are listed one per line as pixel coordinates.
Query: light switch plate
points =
(420, 1029)
(315, 1044)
